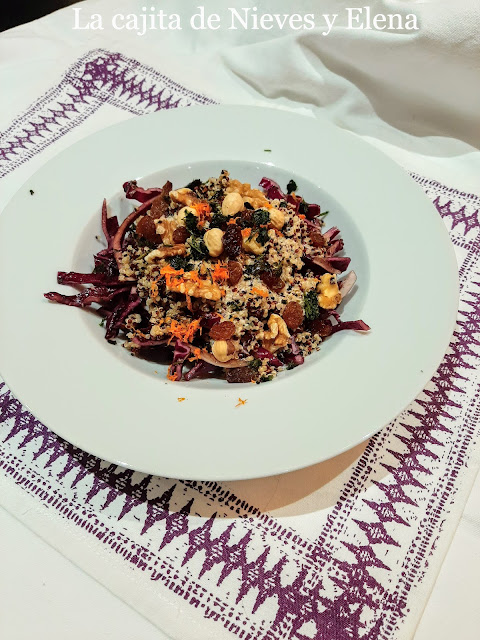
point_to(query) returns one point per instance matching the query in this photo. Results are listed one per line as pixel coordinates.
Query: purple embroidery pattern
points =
(347, 574)
(98, 78)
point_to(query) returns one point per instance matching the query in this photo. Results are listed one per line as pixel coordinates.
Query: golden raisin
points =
(222, 330)
(232, 240)
(240, 374)
(235, 273)
(317, 239)
(293, 315)
(146, 229)
(320, 327)
(161, 203)
(180, 235)
(273, 282)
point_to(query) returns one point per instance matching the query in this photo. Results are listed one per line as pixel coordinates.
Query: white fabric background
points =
(415, 95)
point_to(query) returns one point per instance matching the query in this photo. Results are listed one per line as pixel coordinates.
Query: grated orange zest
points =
(173, 277)
(203, 212)
(182, 331)
(220, 272)
(260, 292)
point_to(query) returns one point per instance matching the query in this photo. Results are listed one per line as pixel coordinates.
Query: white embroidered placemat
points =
(348, 549)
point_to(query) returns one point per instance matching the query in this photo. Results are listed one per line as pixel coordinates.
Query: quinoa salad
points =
(222, 279)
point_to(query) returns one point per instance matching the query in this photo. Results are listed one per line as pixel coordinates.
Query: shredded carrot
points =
(181, 399)
(232, 221)
(196, 354)
(246, 232)
(278, 232)
(192, 329)
(173, 277)
(184, 332)
(168, 270)
(202, 208)
(220, 272)
(203, 212)
(302, 216)
(241, 402)
(189, 302)
(260, 292)
(172, 377)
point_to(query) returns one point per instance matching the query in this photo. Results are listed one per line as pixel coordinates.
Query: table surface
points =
(63, 601)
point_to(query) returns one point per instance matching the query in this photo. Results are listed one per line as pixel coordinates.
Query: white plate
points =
(55, 359)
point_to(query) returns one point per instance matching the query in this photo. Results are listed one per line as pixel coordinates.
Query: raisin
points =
(293, 315)
(146, 229)
(222, 330)
(320, 327)
(317, 239)
(273, 282)
(240, 374)
(232, 240)
(245, 220)
(161, 203)
(235, 273)
(180, 235)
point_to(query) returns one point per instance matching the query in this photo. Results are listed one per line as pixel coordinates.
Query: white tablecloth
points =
(414, 95)
(45, 583)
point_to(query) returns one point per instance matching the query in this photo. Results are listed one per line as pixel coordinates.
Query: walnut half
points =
(165, 252)
(278, 335)
(206, 290)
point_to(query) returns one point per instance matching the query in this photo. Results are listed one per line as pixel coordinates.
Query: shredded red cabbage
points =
(181, 351)
(142, 343)
(201, 370)
(272, 189)
(339, 263)
(331, 233)
(122, 311)
(134, 192)
(295, 357)
(109, 225)
(209, 319)
(72, 277)
(353, 325)
(335, 247)
(262, 354)
(313, 210)
(98, 295)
